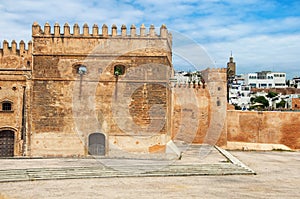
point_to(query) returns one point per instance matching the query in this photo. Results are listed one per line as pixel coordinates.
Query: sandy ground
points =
(278, 176)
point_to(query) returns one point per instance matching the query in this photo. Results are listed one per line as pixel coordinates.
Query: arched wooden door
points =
(96, 144)
(7, 139)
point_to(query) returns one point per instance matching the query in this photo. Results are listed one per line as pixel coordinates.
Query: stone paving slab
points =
(192, 164)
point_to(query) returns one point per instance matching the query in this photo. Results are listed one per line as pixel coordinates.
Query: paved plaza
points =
(195, 160)
(278, 176)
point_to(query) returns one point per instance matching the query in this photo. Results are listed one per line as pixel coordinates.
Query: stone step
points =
(137, 168)
(120, 171)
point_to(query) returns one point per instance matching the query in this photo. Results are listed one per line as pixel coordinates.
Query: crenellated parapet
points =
(101, 41)
(13, 49)
(95, 31)
(15, 56)
(188, 80)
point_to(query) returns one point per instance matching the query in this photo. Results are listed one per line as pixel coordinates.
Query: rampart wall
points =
(199, 111)
(264, 127)
(131, 109)
(15, 75)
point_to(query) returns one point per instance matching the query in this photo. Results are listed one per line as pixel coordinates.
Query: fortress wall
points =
(191, 114)
(199, 112)
(14, 56)
(264, 127)
(66, 103)
(53, 144)
(217, 85)
(296, 104)
(104, 104)
(82, 42)
(15, 72)
(12, 91)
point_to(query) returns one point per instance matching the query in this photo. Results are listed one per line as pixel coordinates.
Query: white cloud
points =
(260, 32)
(278, 53)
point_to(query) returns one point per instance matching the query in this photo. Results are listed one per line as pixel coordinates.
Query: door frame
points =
(105, 143)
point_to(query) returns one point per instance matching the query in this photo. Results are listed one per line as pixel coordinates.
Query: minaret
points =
(231, 67)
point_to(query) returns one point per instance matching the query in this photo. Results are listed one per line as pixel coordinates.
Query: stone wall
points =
(295, 103)
(12, 91)
(264, 127)
(130, 109)
(15, 57)
(15, 74)
(191, 116)
(199, 111)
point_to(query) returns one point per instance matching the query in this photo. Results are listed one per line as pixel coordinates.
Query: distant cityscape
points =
(264, 90)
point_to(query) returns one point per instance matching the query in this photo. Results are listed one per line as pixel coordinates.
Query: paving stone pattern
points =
(191, 165)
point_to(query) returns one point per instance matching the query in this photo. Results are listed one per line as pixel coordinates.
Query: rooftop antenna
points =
(231, 53)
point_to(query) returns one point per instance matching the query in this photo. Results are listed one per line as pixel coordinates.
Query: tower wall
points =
(68, 106)
(200, 110)
(231, 68)
(15, 74)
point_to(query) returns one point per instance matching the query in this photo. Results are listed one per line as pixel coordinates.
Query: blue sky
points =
(262, 34)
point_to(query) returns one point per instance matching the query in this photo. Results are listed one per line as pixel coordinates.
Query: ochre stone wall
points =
(130, 109)
(296, 104)
(12, 91)
(135, 105)
(57, 145)
(15, 67)
(191, 115)
(199, 112)
(264, 127)
(15, 57)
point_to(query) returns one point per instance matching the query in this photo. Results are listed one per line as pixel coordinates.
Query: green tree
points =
(237, 107)
(272, 94)
(262, 100)
(281, 104)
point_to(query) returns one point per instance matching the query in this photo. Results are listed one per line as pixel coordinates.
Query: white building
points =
(295, 82)
(239, 95)
(266, 79)
(289, 101)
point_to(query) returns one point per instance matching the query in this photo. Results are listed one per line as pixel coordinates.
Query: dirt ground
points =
(278, 176)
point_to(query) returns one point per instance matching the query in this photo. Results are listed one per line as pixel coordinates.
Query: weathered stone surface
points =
(92, 103)
(200, 112)
(264, 127)
(65, 107)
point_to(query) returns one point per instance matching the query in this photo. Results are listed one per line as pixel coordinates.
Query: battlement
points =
(37, 31)
(14, 50)
(215, 74)
(216, 70)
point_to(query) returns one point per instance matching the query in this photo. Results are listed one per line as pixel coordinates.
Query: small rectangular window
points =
(6, 106)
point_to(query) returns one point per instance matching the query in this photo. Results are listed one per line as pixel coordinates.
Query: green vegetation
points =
(281, 104)
(118, 70)
(260, 99)
(272, 94)
(237, 107)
